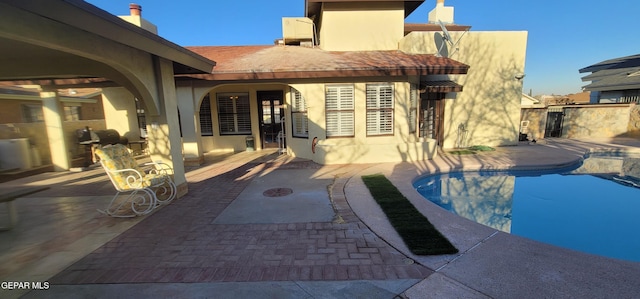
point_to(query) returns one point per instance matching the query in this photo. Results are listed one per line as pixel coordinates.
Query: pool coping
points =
(493, 263)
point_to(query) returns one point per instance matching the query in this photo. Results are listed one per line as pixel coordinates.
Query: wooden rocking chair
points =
(145, 190)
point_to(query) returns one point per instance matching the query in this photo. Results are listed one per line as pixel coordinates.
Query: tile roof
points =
(440, 86)
(580, 98)
(288, 62)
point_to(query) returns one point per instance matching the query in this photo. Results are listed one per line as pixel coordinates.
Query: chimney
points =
(135, 9)
(135, 17)
(441, 13)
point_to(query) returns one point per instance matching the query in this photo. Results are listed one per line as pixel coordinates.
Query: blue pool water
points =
(592, 207)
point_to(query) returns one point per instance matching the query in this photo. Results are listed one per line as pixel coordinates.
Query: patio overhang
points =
(29, 47)
(442, 86)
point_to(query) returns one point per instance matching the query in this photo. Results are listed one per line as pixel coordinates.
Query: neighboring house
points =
(570, 99)
(580, 98)
(528, 101)
(615, 80)
(360, 90)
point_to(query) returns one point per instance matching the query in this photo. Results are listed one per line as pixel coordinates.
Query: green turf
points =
(461, 152)
(481, 148)
(414, 228)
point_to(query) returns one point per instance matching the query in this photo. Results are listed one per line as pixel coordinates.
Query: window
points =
(428, 121)
(206, 123)
(32, 113)
(379, 109)
(340, 110)
(300, 122)
(431, 116)
(413, 108)
(234, 114)
(71, 113)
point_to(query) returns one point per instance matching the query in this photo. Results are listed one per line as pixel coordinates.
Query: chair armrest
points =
(134, 180)
(160, 168)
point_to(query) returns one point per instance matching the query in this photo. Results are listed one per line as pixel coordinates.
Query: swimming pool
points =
(593, 206)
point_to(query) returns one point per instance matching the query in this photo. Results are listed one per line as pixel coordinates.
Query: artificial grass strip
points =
(482, 148)
(418, 233)
(462, 152)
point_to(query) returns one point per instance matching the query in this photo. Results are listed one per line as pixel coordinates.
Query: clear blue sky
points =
(564, 35)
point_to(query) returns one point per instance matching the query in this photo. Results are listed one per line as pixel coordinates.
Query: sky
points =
(563, 35)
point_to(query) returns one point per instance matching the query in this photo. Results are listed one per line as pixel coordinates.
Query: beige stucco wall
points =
(120, 113)
(489, 105)
(359, 26)
(237, 143)
(402, 146)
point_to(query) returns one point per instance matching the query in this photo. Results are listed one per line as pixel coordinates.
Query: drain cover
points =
(277, 192)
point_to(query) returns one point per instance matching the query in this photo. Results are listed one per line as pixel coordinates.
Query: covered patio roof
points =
(37, 48)
(295, 62)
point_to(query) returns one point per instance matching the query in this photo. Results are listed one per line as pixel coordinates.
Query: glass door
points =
(271, 112)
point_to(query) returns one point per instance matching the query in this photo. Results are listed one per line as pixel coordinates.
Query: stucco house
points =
(528, 101)
(343, 87)
(348, 82)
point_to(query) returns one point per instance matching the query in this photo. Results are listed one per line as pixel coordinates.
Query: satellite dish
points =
(445, 33)
(441, 44)
(447, 39)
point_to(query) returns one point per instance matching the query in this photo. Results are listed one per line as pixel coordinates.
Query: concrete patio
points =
(204, 245)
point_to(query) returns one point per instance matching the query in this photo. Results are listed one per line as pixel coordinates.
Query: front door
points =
(431, 117)
(271, 111)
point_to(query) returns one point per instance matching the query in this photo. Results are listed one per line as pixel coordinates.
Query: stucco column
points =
(120, 112)
(53, 116)
(163, 130)
(190, 123)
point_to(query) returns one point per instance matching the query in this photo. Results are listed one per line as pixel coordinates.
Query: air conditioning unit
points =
(297, 31)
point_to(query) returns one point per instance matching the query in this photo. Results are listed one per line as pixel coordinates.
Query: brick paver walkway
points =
(180, 242)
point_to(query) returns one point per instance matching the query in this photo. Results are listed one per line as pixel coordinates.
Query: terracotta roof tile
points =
(277, 62)
(440, 86)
